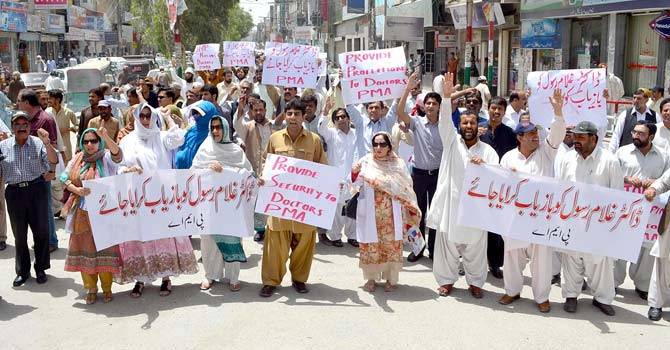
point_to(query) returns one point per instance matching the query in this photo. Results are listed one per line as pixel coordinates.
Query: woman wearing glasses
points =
(386, 210)
(99, 158)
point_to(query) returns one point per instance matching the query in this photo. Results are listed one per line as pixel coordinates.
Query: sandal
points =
(235, 287)
(91, 297)
(206, 284)
(388, 287)
(166, 288)
(107, 297)
(137, 290)
(370, 286)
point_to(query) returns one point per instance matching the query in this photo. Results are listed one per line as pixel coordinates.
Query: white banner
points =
(373, 75)
(657, 209)
(299, 190)
(290, 65)
(547, 211)
(239, 54)
(206, 57)
(170, 203)
(582, 89)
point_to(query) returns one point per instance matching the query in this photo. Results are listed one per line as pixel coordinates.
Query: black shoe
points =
(414, 258)
(337, 243)
(353, 242)
(606, 309)
(655, 313)
(3, 245)
(57, 216)
(461, 270)
(41, 277)
(259, 236)
(53, 248)
(325, 240)
(570, 305)
(496, 272)
(556, 279)
(20, 280)
(267, 291)
(642, 294)
(585, 286)
(300, 287)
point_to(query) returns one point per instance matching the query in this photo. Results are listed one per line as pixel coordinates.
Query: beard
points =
(188, 80)
(639, 144)
(466, 137)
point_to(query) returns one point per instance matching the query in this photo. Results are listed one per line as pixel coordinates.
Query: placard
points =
(239, 54)
(290, 65)
(206, 57)
(373, 75)
(657, 209)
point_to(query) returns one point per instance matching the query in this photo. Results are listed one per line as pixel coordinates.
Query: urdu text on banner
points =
(239, 54)
(290, 65)
(583, 91)
(562, 214)
(299, 190)
(373, 75)
(170, 203)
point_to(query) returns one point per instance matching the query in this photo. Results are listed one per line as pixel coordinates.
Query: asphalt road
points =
(336, 314)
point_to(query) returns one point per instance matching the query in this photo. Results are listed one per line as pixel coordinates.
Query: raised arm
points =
(446, 126)
(412, 83)
(557, 132)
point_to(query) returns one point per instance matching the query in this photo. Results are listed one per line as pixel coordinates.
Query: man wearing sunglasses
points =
(27, 166)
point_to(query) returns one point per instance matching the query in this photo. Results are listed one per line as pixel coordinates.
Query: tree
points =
(205, 21)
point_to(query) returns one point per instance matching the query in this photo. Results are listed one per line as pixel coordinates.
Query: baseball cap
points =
(481, 78)
(19, 115)
(585, 127)
(103, 103)
(525, 127)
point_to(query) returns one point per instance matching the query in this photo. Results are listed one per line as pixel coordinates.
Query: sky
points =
(257, 8)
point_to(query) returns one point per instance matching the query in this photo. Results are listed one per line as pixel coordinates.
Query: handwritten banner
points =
(299, 190)
(543, 210)
(582, 89)
(290, 65)
(239, 54)
(206, 57)
(657, 209)
(373, 75)
(170, 203)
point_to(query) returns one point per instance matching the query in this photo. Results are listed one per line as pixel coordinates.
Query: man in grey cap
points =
(589, 164)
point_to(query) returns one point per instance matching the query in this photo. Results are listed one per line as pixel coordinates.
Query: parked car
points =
(34, 80)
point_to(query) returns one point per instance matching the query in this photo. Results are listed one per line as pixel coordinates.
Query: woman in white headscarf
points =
(148, 149)
(221, 255)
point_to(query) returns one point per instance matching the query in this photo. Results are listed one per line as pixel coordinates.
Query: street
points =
(336, 314)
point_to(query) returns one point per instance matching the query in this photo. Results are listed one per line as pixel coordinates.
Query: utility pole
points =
(468, 43)
(490, 14)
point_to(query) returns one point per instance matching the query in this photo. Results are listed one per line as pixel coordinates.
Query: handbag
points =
(350, 207)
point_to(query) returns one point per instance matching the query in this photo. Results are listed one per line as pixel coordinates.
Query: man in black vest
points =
(625, 122)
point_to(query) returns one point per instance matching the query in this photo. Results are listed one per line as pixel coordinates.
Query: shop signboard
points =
(54, 24)
(356, 6)
(661, 25)
(537, 9)
(403, 28)
(50, 4)
(76, 17)
(445, 40)
(13, 17)
(540, 34)
(458, 14)
(34, 23)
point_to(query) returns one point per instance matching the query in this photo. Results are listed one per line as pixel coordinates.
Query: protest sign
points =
(562, 214)
(373, 75)
(290, 65)
(299, 190)
(239, 54)
(657, 209)
(170, 203)
(583, 98)
(206, 57)
(323, 64)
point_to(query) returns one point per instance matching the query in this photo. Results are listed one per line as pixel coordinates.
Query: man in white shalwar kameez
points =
(588, 163)
(535, 158)
(451, 240)
(659, 285)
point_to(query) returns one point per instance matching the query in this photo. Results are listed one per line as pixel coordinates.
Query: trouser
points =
(28, 207)
(56, 195)
(659, 286)
(640, 272)
(540, 270)
(424, 183)
(212, 260)
(598, 271)
(495, 251)
(91, 281)
(53, 240)
(279, 246)
(555, 263)
(445, 264)
(3, 212)
(342, 222)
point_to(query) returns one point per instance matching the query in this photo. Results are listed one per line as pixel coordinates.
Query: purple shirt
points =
(42, 120)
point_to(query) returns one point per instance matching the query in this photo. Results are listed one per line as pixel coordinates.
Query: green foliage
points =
(205, 21)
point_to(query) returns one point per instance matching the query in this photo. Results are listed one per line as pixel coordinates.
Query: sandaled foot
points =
(206, 284)
(166, 288)
(445, 290)
(235, 287)
(107, 297)
(389, 287)
(91, 297)
(370, 286)
(137, 290)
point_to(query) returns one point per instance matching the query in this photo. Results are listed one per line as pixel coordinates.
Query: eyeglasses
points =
(145, 116)
(91, 142)
(635, 132)
(380, 144)
(21, 126)
(338, 117)
(217, 127)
